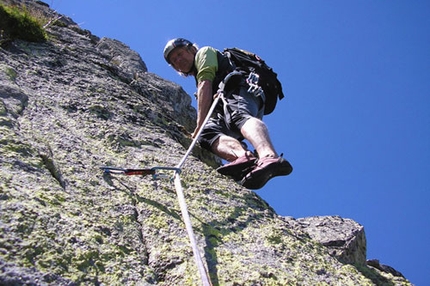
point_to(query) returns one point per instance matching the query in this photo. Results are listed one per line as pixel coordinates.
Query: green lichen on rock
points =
(11, 73)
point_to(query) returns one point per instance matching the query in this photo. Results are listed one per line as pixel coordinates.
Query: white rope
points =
(180, 193)
(211, 110)
(197, 256)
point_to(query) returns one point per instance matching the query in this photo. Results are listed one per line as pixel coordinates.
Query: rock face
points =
(344, 238)
(77, 102)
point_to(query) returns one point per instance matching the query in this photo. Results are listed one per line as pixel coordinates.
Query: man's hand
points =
(196, 131)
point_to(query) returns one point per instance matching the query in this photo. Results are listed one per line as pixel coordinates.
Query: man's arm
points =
(204, 101)
(206, 64)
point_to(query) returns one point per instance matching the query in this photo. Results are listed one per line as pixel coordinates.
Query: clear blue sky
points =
(355, 122)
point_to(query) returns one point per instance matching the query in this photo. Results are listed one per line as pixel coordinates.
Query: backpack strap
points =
(232, 79)
(225, 66)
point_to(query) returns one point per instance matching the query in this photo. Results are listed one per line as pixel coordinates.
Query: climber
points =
(228, 127)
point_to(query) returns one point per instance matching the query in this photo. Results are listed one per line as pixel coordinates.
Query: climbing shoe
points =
(265, 169)
(239, 167)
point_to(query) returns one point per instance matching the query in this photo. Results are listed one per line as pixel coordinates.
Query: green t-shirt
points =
(206, 63)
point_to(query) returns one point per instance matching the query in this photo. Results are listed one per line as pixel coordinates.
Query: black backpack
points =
(247, 62)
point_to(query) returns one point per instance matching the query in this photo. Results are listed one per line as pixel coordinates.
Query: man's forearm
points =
(204, 100)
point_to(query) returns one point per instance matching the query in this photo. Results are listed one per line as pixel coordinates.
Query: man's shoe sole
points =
(257, 180)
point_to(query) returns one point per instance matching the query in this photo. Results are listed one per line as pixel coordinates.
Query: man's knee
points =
(239, 119)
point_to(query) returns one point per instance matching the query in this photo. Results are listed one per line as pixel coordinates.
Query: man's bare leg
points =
(228, 148)
(255, 131)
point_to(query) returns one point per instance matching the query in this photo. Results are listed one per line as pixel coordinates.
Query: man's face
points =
(182, 59)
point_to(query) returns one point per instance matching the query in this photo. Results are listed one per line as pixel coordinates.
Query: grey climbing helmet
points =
(172, 44)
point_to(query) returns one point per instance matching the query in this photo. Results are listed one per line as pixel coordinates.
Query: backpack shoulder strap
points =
(224, 68)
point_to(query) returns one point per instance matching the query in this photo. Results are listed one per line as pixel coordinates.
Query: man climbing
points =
(238, 117)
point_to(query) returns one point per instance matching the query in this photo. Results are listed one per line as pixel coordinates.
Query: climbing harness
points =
(178, 186)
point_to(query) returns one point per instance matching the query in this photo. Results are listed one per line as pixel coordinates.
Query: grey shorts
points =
(241, 107)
